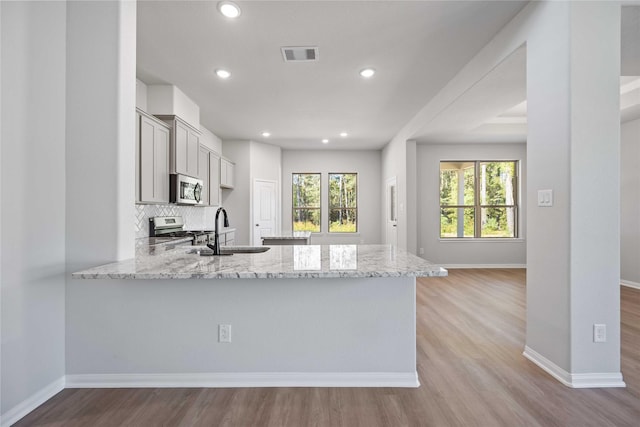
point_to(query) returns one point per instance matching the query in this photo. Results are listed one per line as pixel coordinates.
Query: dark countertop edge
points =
(284, 237)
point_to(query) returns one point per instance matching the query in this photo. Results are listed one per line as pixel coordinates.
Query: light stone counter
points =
(280, 262)
(326, 316)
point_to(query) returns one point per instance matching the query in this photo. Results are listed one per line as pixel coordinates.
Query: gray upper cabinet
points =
(214, 179)
(209, 173)
(152, 159)
(226, 173)
(203, 174)
(185, 146)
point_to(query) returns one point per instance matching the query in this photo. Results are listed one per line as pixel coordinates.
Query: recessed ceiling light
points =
(367, 72)
(325, 141)
(344, 134)
(223, 74)
(229, 9)
(266, 134)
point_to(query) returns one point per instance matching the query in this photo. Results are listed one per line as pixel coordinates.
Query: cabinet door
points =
(214, 179)
(203, 174)
(223, 173)
(153, 162)
(161, 164)
(146, 172)
(181, 143)
(226, 174)
(193, 149)
(230, 173)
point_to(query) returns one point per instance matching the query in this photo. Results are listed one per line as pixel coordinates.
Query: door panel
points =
(391, 209)
(264, 210)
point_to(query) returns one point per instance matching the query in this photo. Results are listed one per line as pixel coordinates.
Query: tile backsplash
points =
(195, 218)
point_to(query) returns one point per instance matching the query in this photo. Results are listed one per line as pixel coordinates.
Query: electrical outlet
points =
(599, 333)
(224, 333)
(421, 251)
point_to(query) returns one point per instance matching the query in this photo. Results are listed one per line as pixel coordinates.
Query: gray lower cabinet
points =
(152, 159)
(209, 173)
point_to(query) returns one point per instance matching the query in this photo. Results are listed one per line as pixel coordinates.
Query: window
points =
(306, 202)
(478, 199)
(343, 202)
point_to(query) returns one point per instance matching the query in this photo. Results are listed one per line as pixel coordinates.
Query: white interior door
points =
(391, 209)
(264, 210)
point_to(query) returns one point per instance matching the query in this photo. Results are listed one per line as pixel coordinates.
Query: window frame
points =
(329, 208)
(318, 209)
(477, 206)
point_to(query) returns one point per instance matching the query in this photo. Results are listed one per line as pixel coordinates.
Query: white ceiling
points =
(494, 109)
(415, 46)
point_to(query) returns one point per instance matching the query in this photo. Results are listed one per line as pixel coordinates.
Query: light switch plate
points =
(545, 198)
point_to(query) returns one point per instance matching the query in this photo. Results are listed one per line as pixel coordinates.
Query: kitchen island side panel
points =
(360, 325)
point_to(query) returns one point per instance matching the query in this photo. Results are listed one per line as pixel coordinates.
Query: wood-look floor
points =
(470, 342)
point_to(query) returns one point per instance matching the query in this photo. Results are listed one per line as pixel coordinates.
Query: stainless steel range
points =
(173, 226)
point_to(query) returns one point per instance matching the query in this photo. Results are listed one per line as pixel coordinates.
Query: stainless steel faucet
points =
(216, 239)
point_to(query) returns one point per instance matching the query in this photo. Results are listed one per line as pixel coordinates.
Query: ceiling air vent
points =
(299, 53)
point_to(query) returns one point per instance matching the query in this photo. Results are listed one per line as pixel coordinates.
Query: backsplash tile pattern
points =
(195, 218)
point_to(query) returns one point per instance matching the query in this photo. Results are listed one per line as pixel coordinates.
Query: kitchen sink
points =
(228, 250)
(244, 249)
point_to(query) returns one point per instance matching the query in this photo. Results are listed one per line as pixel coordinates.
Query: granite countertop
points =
(290, 235)
(154, 241)
(223, 230)
(280, 262)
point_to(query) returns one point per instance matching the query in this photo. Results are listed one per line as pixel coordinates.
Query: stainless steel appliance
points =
(185, 190)
(173, 227)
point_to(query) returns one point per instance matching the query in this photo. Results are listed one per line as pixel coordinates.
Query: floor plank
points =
(470, 338)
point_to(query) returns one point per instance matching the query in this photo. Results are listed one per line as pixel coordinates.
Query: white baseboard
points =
(16, 413)
(630, 284)
(454, 266)
(248, 379)
(591, 380)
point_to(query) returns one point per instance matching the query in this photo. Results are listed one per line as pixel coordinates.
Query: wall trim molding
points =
(246, 379)
(19, 411)
(461, 266)
(630, 284)
(589, 380)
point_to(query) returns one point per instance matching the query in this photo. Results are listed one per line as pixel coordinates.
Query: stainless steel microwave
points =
(185, 190)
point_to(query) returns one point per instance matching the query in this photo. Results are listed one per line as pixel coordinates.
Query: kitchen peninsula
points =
(308, 315)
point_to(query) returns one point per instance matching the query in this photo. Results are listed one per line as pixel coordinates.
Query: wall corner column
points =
(573, 148)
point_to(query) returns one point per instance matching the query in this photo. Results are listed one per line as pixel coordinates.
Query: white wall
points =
(458, 252)
(100, 152)
(237, 202)
(265, 161)
(573, 261)
(367, 164)
(141, 95)
(210, 140)
(630, 202)
(32, 271)
(394, 164)
(266, 164)
(170, 100)
(287, 325)
(253, 160)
